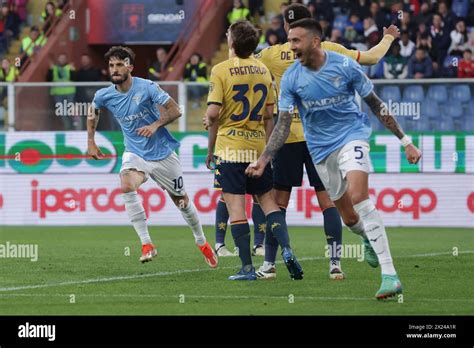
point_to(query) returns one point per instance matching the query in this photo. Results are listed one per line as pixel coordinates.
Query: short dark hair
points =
(468, 50)
(245, 37)
(310, 25)
(295, 12)
(121, 53)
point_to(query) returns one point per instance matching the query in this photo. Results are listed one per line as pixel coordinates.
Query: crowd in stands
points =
(437, 37)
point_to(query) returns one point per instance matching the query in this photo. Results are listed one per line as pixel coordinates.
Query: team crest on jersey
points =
(336, 81)
(136, 98)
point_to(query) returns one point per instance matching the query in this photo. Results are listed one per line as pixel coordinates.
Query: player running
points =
(294, 155)
(241, 102)
(149, 147)
(322, 85)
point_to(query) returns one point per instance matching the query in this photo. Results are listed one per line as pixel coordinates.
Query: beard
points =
(123, 78)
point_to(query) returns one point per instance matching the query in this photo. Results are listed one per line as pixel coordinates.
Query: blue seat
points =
(430, 116)
(413, 93)
(437, 93)
(453, 117)
(468, 125)
(390, 93)
(461, 93)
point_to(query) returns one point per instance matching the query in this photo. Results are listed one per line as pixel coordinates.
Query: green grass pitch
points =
(90, 264)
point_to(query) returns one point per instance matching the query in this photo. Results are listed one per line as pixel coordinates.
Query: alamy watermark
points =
(72, 109)
(347, 251)
(22, 251)
(402, 109)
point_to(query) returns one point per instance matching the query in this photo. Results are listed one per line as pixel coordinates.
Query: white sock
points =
(358, 228)
(191, 217)
(375, 232)
(137, 216)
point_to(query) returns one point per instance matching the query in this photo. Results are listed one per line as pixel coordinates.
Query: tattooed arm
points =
(92, 121)
(277, 139)
(380, 110)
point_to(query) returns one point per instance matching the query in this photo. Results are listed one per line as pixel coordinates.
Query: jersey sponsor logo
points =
(246, 134)
(134, 117)
(325, 102)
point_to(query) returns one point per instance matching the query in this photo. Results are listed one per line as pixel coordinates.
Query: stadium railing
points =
(420, 105)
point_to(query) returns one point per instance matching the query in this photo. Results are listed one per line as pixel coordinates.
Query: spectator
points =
(12, 23)
(63, 71)
(256, 8)
(238, 12)
(272, 40)
(380, 15)
(446, 16)
(283, 7)
(466, 65)
(336, 36)
(87, 73)
(355, 23)
(406, 24)
(323, 9)
(61, 4)
(20, 9)
(276, 27)
(440, 40)
(326, 29)
(425, 14)
(406, 45)
(423, 41)
(49, 15)
(32, 44)
(262, 44)
(8, 72)
(196, 71)
(420, 65)
(371, 32)
(459, 40)
(395, 65)
(361, 8)
(159, 66)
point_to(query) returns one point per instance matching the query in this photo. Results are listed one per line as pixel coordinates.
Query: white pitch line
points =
(161, 274)
(235, 297)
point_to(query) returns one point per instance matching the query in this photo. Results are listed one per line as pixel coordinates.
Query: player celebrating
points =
(294, 155)
(239, 90)
(322, 85)
(149, 147)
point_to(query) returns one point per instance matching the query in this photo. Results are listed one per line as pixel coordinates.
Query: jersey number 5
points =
(241, 97)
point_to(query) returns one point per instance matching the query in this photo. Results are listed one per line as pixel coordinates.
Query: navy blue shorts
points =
(288, 167)
(230, 177)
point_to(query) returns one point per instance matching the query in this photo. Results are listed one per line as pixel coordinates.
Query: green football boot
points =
(390, 287)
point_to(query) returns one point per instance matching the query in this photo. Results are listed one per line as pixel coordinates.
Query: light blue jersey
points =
(136, 109)
(326, 101)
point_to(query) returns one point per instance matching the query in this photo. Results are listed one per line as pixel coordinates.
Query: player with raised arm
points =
(322, 85)
(241, 103)
(149, 147)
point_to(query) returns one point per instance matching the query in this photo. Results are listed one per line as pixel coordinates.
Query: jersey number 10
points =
(241, 97)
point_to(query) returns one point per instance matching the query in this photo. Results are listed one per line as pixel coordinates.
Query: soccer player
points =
(322, 85)
(149, 147)
(241, 102)
(293, 156)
